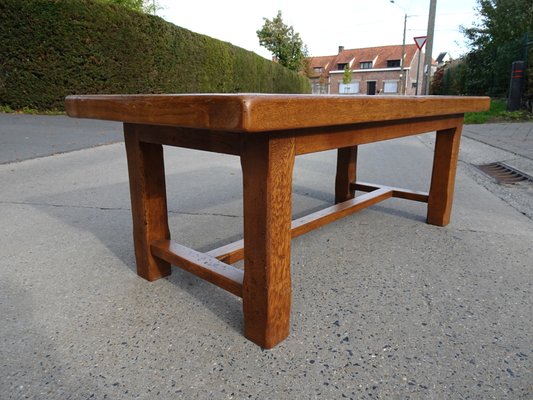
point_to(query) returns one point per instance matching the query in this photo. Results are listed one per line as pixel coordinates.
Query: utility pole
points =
(403, 80)
(429, 47)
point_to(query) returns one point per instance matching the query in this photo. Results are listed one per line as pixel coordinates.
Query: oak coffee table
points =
(267, 132)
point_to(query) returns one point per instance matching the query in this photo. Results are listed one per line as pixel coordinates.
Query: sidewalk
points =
(510, 144)
(516, 137)
(384, 305)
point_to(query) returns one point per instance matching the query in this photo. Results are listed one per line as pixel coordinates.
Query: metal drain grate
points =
(503, 173)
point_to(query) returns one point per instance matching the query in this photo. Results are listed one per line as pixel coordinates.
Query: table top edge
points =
(256, 112)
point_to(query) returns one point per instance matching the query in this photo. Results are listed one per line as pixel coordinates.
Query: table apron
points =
(315, 140)
(309, 140)
(196, 139)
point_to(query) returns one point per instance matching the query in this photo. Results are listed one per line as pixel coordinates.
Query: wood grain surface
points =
(208, 268)
(264, 112)
(443, 176)
(267, 166)
(267, 132)
(148, 201)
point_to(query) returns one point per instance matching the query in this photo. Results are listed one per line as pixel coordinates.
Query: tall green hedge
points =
(52, 48)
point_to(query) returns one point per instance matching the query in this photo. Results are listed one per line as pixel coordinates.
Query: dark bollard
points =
(515, 86)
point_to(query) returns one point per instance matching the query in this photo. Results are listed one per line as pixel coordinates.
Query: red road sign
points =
(420, 41)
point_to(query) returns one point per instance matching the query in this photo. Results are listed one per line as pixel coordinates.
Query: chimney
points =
(341, 49)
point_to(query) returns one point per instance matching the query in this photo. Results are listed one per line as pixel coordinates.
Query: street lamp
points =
(402, 73)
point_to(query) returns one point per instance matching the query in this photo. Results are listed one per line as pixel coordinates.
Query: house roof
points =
(324, 62)
(378, 55)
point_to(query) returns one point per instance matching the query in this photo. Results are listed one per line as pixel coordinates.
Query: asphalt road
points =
(384, 306)
(23, 137)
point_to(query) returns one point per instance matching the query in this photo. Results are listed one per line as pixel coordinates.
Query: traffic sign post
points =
(420, 42)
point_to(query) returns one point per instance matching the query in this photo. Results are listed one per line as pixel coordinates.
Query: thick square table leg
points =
(267, 165)
(148, 201)
(346, 173)
(443, 176)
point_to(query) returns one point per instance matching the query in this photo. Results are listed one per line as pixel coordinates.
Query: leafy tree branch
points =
(283, 42)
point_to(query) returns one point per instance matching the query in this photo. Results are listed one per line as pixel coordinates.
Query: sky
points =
(325, 25)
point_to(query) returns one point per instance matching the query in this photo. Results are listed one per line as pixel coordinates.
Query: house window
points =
(393, 63)
(349, 88)
(365, 65)
(390, 87)
(341, 66)
(320, 88)
(318, 70)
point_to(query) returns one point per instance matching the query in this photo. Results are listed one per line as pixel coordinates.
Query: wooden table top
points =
(265, 112)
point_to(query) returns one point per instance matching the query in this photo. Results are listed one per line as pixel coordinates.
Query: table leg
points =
(346, 173)
(443, 176)
(148, 201)
(267, 165)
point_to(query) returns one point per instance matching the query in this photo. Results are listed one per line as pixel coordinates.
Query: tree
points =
(498, 38)
(285, 44)
(347, 76)
(144, 6)
(500, 21)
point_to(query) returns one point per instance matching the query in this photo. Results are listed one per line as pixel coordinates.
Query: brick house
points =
(375, 70)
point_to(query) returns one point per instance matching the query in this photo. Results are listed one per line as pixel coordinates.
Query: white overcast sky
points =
(324, 25)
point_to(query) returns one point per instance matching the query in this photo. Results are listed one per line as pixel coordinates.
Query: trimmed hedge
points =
(52, 48)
